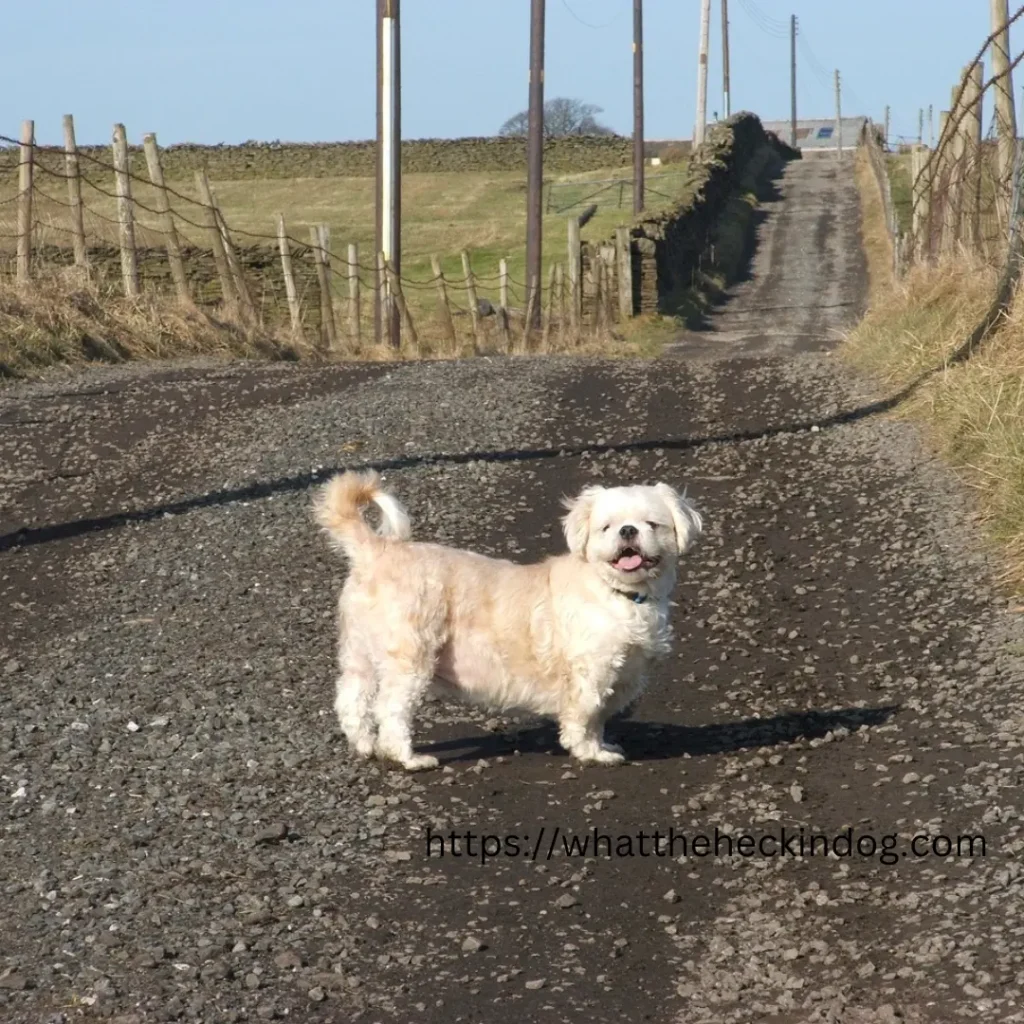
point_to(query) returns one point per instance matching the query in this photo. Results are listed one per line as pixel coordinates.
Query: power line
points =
(611, 21)
(769, 19)
(765, 23)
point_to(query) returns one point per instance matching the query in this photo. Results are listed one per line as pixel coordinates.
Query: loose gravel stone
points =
(838, 635)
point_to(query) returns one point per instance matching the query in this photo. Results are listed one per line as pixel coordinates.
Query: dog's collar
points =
(634, 597)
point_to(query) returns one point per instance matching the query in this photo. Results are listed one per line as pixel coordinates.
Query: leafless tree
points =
(561, 117)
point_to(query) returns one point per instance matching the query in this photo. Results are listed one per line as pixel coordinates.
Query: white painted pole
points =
(390, 166)
(702, 73)
(389, 160)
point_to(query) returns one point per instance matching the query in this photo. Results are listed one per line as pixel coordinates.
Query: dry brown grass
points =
(874, 236)
(972, 411)
(61, 319)
(483, 212)
(916, 324)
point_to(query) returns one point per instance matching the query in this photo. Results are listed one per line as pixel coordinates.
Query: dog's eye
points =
(606, 527)
(654, 526)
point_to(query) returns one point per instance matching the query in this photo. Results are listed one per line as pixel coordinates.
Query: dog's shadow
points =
(655, 741)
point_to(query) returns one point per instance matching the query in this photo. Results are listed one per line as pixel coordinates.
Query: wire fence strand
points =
(80, 232)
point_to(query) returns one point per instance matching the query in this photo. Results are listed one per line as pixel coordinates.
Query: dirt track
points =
(186, 839)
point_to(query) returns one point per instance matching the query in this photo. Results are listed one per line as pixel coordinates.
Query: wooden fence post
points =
(958, 179)
(442, 300)
(382, 294)
(940, 182)
(353, 295)
(220, 259)
(560, 287)
(474, 308)
(927, 211)
(503, 283)
(531, 305)
(545, 342)
(26, 164)
(597, 273)
(294, 310)
(125, 213)
(320, 240)
(247, 305)
(71, 169)
(972, 129)
(606, 254)
(916, 199)
(624, 259)
(575, 269)
(163, 207)
(395, 284)
(506, 333)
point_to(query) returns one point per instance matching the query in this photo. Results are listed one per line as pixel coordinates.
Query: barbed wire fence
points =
(563, 196)
(75, 215)
(965, 193)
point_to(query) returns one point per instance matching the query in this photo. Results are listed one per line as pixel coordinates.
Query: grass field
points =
(481, 211)
(442, 214)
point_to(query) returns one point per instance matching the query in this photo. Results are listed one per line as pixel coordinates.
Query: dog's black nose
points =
(627, 532)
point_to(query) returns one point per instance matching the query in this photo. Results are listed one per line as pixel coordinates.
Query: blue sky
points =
(211, 71)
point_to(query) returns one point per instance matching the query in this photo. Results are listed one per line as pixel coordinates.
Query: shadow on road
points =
(28, 537)
(658, 741)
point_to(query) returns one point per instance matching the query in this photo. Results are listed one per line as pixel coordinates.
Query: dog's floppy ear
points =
(577, 523)
(686, 519)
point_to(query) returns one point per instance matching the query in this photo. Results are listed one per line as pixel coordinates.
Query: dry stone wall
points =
(345, 159)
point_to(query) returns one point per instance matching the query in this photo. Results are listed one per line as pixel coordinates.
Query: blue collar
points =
(635, 598)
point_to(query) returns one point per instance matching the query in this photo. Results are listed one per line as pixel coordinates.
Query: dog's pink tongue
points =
(627, 563)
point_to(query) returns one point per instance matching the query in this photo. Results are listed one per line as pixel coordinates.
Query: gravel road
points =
(185, 838)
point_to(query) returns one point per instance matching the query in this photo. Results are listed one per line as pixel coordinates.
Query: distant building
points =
(811, 135)
(820, 133)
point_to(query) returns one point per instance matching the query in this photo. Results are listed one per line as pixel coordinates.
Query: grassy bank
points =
(60, 321)
(972, 411)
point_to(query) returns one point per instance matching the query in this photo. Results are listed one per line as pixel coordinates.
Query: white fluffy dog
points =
(570, 637)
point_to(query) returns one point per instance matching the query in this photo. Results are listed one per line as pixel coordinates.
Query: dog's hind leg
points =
(401, 686)
(354, 695)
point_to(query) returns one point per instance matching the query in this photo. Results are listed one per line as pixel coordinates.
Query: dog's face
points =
(631, 534)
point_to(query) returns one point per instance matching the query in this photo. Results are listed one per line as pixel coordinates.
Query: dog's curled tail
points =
(338, 509)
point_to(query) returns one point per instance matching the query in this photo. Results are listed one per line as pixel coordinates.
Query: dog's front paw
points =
(609, 754)
(420, 763)
(362, 748)
(604, 753)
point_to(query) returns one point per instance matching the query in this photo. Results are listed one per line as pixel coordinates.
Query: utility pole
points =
(887, 126)
(931, 125)
(725, 59)
(1006, 118)
(391, 161)
(792, 80)
(378, 195)
(638, 106)
(839, 121)
(702, 73)
(920, 125)
(535, 161)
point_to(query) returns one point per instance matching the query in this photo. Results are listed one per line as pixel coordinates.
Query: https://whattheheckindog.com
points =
(549, 842)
